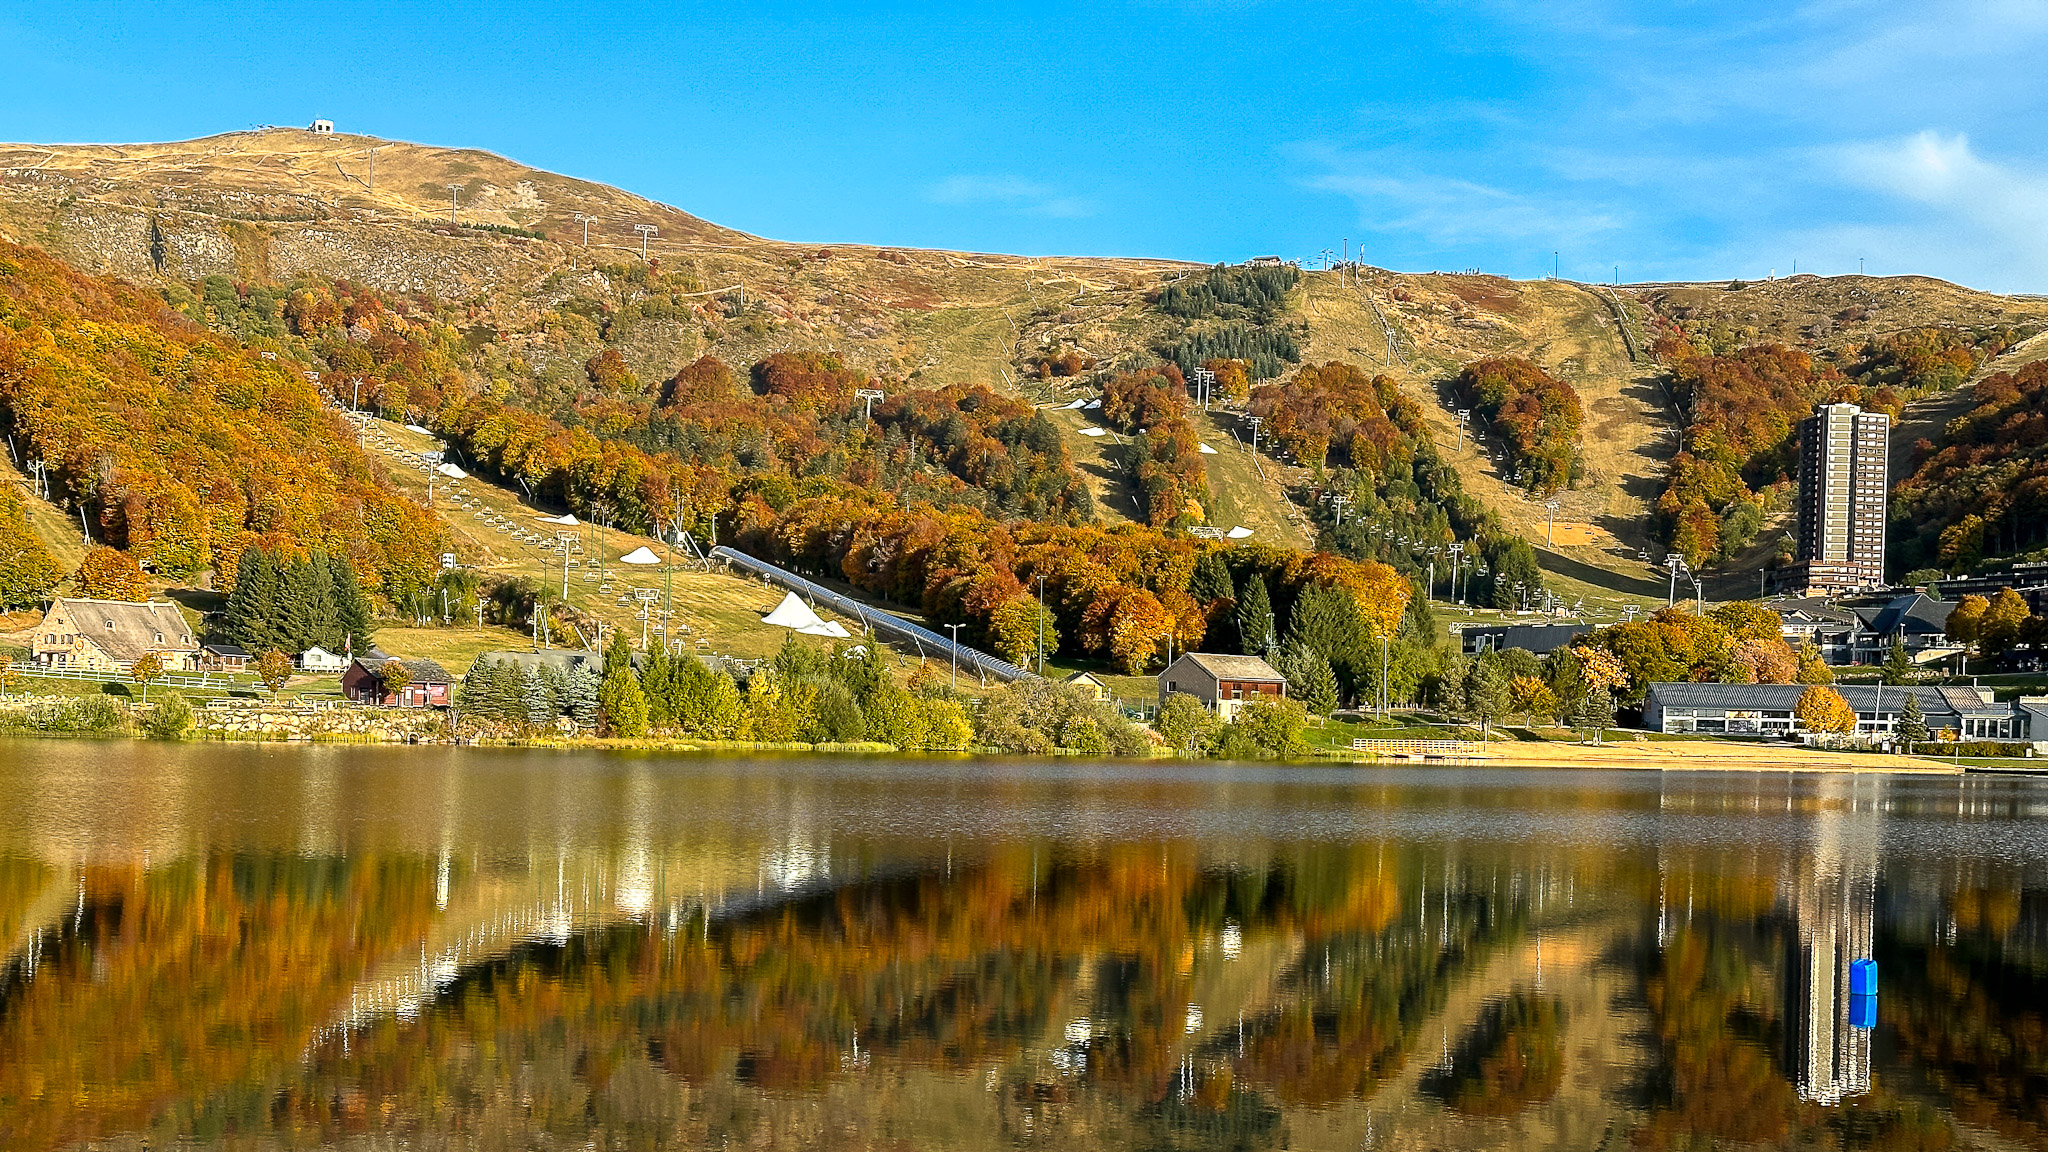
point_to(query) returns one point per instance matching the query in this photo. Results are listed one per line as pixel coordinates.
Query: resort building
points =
(1768, 710)
(1222, 683)
(1842, 499)
(108, 636)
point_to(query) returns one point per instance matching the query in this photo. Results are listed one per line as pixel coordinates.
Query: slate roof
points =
(1943, 699)
(1917, 614)
(231, 650)
(421, 671)
(1225, 667)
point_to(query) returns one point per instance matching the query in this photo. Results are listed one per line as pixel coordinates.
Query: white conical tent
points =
(452, 472)
(640, 555)
(793, 613)
(567, 518)
(797, 616)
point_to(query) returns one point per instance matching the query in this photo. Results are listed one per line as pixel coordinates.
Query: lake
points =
(262, 946)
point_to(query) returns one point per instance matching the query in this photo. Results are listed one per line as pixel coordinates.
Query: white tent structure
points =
(451, 471)
(567, 519)
(642, 555)
(797, 616)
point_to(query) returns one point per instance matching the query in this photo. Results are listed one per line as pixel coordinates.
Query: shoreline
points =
(1690, 756)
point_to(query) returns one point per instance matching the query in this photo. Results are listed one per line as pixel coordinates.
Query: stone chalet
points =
(1222, 683)
(1767, 710)
(107, 636)
(430, 685)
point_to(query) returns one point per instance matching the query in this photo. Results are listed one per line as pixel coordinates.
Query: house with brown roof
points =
(428, 685)
(108, 636)
(1223, 683)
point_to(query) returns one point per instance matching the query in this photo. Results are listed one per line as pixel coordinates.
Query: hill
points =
(527, 316)
(179, 446)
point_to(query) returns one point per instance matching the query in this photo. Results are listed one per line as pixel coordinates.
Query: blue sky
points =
(1679, 140)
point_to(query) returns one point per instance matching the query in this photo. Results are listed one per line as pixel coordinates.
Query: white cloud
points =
(1012, 192)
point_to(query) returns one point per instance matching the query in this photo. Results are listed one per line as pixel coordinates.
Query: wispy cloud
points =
(1010, 192)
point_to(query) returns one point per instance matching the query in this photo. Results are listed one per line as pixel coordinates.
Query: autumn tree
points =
(395, 678)
(273, 668)
(1531, 697)
(1017, 629)
(1822, 709)
(147, 669)
(1812, 669)
(2003, 617)
(1965, 622)
(111, 574)
(27, 570)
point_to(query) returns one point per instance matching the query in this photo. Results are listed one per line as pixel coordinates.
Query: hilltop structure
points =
(1842, 499)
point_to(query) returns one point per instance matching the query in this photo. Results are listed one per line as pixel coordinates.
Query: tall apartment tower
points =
(1842, 498)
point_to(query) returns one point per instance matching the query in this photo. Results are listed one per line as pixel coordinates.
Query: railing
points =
(1427, 748)
(168, 679)
(882, 623)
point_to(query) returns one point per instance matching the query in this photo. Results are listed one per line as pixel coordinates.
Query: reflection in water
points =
(295, 947)
(1834, 908)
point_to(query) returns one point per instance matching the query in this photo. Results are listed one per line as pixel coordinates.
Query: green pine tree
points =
(317, 589)
(618, 657)
(657, 683)
(1898, 667)
(251, 607)
(1319, 685)
(1912, 724)
(293, 619)
(1255, 635)
(353, 625)
(1211, 581)
(622, 705)
(579, 695)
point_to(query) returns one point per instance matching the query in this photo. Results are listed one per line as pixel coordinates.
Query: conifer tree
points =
(1255, 618)
(1912, 723)
(541, 709)
(618, 656)
(293, 621)
(579, 695)
(352, 622)
(314, 589)
(657, 684)
(252, 604)
(622, 705)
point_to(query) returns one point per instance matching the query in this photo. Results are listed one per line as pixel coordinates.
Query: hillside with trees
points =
(181, 447)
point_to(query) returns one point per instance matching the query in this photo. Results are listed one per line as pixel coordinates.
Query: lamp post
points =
(1041, 625)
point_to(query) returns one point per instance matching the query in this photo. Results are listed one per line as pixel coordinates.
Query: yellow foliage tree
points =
(111, 574)
(1822, 709)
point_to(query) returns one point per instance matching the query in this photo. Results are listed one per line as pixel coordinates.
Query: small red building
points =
(428, 685)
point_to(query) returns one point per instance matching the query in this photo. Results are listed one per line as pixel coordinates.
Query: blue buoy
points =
(1862, 1011)
(1863, 978)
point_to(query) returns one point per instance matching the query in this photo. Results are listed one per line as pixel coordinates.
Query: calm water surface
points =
(263, 947)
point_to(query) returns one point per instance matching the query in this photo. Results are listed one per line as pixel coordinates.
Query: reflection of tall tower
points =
(1834, 908)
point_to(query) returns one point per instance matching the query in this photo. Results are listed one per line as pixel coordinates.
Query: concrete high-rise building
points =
(1842, 498)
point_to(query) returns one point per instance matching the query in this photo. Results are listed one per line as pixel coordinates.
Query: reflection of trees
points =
(1974, 1017)
(1361, 996)
(1512, 1057)
(190, 987)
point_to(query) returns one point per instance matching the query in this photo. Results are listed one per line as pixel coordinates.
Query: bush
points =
(1186, 725)
(170, 719)
(1264, 729)
(85, 715)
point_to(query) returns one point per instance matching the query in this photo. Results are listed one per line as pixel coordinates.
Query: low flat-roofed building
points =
(1540, 639)
(1770, 710)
